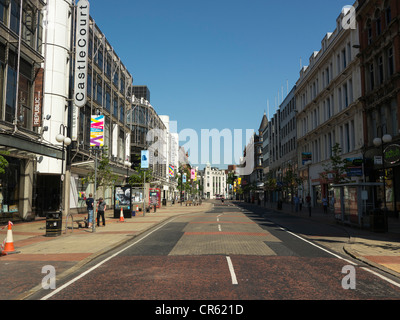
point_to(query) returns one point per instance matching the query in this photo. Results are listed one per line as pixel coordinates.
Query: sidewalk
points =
(76, 247)
(381, 250)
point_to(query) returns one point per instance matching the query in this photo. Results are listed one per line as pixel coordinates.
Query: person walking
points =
(308, 203)
(90, 208)
(325, 204)
(101, 208)
(296, 203)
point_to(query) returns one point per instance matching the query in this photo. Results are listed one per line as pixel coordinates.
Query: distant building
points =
(214, 182)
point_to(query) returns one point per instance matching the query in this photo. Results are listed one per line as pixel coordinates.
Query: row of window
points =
(106, 64)
(382, 18)
(32, 21)
(321, 148)
(380, 69)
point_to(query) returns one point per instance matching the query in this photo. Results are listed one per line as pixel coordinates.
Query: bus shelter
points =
(355, 203)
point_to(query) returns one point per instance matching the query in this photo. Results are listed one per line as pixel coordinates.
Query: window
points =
(390, 62)
(28, 28)
(3, 11)
(388, 15)
(89, 82)
(108, 99)
(344, 59)
(371, 77)
(15, 16)
(108, 67)
(380, 68)
(99, 91)
(369, 32)
(39, 32)
(345, 96)
(115, 104)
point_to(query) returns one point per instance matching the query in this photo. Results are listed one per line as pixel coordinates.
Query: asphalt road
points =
(231, 253)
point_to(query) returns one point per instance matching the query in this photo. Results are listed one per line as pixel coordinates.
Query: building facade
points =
(329, 111)
(21, 99)
(214, 182)
(379, 35)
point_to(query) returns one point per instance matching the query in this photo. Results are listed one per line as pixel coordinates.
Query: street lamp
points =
(380, 142)
(66, 141)
(128, 165)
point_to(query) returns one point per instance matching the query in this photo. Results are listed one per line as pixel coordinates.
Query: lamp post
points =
(66, 141)
(128, 165)
(380, 142)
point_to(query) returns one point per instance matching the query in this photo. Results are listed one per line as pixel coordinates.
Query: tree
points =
(105, 177)
(336, 167)
(141, 174)
(3, 161)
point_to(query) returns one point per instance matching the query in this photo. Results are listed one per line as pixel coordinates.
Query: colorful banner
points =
(184, 178)
(192, 174)
(97, 131)
(171, 171)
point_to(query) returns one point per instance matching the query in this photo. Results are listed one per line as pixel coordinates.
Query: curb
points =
(358, 257)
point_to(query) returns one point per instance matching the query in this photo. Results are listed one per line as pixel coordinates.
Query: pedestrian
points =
(296, 203)
(101, 208)
(332, 204)
(301, 202)
(90, 208)
(325, 204)
(308, 204)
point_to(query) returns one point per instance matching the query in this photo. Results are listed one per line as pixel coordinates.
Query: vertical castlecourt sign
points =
(81, 60)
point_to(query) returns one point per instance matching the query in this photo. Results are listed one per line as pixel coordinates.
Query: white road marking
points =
(100, 263)
(323, 249)
(219, 228)
(232, 271)
(382, 277)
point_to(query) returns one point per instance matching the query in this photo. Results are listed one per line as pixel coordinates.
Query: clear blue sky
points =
(215, 63)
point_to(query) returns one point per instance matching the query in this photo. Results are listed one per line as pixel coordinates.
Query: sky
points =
(216, 63)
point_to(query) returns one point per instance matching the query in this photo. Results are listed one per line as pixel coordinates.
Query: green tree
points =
(105, 177)
(3, 161)
(336, 167)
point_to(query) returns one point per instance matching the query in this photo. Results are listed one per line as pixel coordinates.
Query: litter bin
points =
(53, 223)
(378, 220)
(164, 202)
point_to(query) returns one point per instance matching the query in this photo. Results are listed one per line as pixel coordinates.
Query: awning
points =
(25, 148)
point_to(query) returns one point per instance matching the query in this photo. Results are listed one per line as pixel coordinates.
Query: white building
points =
(328, 106)
(213, 182)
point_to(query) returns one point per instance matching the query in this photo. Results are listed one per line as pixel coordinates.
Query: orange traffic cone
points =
(121, 216)
(9, 245)
(137, 208)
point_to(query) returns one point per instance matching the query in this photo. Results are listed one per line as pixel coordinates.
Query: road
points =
(229, 253)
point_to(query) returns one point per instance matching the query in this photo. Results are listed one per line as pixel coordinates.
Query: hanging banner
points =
(184, 178)
(192, 174)
(97, 131)
(171, 171)
(144, 159)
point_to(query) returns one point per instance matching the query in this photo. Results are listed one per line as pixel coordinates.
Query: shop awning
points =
(21, 147)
